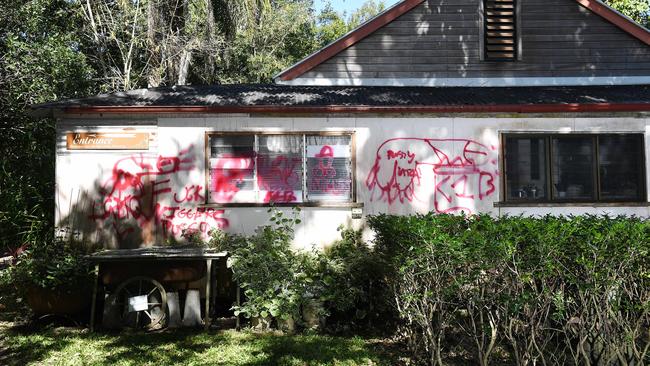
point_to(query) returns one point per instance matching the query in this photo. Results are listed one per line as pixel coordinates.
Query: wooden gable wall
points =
(440, 39)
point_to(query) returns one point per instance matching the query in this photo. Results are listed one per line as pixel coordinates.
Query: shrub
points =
(344, 282)
(354, 290)
(549, 290)
(53, 264)
(266, 268)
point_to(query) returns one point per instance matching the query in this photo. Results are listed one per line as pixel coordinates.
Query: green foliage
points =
(344, 282)
(282, 35)
(52, 264)
(638, 10)
(266, 268)
(353, 286)
(40, 62)
(552, 289)
(331, 24)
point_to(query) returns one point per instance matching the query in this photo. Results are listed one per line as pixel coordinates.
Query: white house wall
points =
(89, 206)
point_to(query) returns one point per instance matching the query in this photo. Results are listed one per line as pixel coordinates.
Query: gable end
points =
(436, 43)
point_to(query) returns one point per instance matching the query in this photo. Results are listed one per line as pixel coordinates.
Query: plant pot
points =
(259, 323)
(55, 301)
(287, 325)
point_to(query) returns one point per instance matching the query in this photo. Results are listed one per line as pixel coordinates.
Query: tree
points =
(149, 43)
(332, 24)
(39, 61)
(281, 35)
(638, 10)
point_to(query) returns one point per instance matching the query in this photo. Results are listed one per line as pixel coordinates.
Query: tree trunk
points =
(152, 15)
(184, 66)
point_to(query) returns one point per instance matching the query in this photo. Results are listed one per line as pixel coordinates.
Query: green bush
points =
(52, 264)
(549, 290)
(344, 283)
(354, 291)
(266, 268)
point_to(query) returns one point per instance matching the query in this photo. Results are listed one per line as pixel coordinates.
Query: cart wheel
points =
(138, 311)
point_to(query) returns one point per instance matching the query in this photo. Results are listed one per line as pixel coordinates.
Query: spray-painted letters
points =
(279, 178)
(130, 198)
(457, 180)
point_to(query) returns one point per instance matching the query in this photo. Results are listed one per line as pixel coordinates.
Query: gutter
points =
(360, 109)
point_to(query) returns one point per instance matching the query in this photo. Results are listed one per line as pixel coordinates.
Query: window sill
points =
(298, 204)
(571, 204)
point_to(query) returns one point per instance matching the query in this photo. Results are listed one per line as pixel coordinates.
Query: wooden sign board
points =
(107, 140)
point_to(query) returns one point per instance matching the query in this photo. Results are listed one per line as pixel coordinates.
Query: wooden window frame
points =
(550, 201)
(340, 204)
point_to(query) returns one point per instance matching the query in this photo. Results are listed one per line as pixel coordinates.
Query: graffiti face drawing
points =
(401, 164)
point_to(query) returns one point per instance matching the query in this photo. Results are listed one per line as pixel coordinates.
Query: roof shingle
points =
(249, 95)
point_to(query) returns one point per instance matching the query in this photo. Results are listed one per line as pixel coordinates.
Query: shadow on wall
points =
(142, 200)
(442, 39)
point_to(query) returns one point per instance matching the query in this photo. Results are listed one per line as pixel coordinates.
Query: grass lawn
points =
(71, 346)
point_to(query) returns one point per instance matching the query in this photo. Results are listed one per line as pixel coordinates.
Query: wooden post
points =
(93, 306)
(208, 284)
(238, 303)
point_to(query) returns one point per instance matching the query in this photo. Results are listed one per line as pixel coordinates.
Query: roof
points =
(271, 98)
(401, 8)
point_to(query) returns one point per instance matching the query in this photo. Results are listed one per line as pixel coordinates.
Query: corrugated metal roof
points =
(248, 95)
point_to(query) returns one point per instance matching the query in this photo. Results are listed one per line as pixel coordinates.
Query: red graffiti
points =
(201, 219)
(129, 197)
(457, 180)
(401, 155)
(228, 176)
(323, 177)
(193, 193)
(280, 197)
(279, 177)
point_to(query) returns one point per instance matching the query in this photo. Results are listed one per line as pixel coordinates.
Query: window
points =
(280, 168)
(574, 168)
(499, 30)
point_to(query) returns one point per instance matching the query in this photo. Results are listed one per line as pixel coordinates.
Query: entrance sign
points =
(107, 140)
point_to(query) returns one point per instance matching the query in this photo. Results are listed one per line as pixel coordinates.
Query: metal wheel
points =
(142, 301)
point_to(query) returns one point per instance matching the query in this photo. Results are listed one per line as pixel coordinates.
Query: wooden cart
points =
(137, 279)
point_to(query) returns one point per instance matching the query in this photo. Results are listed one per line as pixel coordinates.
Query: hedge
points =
(524, 290)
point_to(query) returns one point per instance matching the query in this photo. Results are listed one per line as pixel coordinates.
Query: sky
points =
(347, 6)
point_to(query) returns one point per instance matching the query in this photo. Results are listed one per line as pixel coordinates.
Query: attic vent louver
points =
(500, 43)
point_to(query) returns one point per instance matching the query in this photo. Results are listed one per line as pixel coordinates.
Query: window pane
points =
(526, 168)
(573, 167)
(232, 169)
(329, 168)
(279, 174)
(620, 162)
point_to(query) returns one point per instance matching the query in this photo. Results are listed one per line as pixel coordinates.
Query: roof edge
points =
(347, 40)
(499, 108)
(620, 20)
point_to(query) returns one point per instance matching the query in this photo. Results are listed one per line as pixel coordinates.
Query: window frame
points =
(548, 169)
(353, 167)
